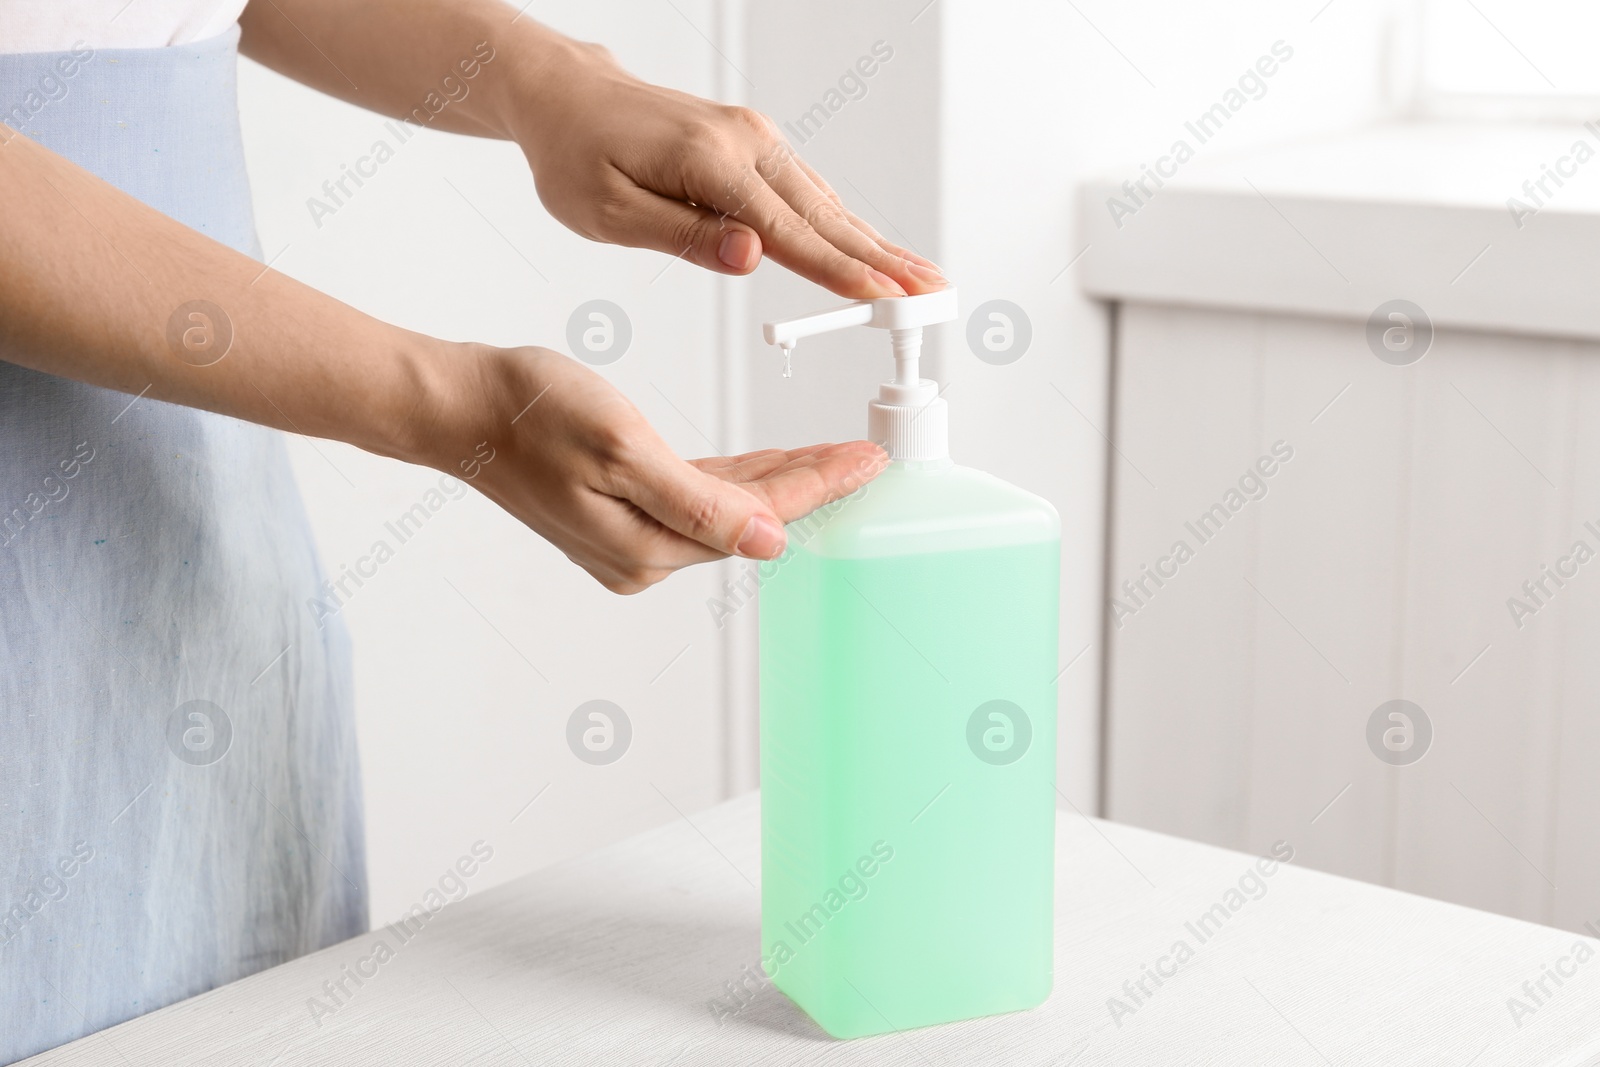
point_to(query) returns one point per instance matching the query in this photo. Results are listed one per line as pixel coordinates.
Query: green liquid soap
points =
(908, 737)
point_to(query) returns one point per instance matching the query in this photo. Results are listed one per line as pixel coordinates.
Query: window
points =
(1501, 59)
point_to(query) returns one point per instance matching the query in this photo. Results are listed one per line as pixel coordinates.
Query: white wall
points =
(457, 730)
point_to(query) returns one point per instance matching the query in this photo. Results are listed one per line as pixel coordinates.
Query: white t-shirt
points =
(57, 25)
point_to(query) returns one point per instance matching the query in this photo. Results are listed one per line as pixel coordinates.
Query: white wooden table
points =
(621, 956)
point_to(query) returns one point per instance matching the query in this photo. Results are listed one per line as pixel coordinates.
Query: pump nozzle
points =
(887, 313)
(787, 334)
(908, 418)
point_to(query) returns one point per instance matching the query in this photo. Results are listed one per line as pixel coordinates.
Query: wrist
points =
(470, 398)
(433, 403)
(545, 71)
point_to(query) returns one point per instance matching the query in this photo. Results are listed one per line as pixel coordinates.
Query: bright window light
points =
(1508, 58)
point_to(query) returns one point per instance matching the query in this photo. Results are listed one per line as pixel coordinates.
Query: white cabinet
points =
(1380, 561)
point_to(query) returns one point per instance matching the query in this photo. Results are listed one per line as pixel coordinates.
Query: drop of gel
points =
(788, 361)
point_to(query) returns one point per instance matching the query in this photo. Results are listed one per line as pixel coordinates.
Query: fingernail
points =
(738, 250)
(906, 253)
(927, 274)
(762, 539)
(886, 282)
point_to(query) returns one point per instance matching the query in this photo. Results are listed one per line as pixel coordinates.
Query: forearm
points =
(614, 158)
(92, 282)
(469, 66)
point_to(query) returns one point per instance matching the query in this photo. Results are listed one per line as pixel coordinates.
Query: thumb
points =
(714, 241)
(707, 509)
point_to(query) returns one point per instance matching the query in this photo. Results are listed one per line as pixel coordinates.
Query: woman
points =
(154, 558)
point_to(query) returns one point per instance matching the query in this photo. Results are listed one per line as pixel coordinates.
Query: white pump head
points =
(909, 418)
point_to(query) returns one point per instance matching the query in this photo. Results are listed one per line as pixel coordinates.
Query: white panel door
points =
(1376, 566)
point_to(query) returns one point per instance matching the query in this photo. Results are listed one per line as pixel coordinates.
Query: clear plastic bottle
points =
(908, 707)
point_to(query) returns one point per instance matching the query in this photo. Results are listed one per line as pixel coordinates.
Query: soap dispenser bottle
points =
(908, 711)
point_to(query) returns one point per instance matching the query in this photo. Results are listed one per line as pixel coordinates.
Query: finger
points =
(704, 508)
(752, 468)
(758, 465)
(626, 549)
(861, 224)
(864, 451)
(808, 485)
(753, 465)
(788, 239)
(827, 216)
(722, 465)
(904, 253)
(698, 234)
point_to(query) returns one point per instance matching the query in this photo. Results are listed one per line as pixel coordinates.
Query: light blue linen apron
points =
(179, 797)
